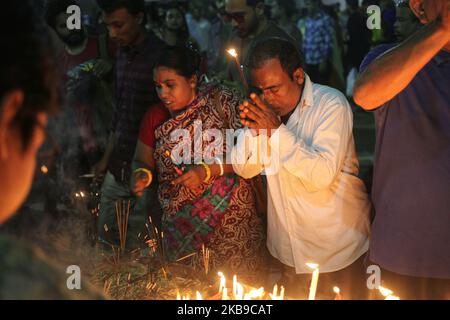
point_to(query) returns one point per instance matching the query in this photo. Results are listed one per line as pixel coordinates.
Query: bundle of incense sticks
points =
(205, 255)
(159, 238)
(122, 215)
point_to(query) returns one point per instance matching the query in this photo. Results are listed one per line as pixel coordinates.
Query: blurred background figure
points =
(218, 35)
(283, 12)
(85, 62)
(250, 25)
(406, 22)
(388, 20)
(29, 94)
(318, 42)
(358, 42)
(198, 25)
(173, 29)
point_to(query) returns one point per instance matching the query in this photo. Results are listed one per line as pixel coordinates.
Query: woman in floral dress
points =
(204, 202)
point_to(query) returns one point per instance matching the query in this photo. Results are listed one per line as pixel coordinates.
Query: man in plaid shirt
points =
(318, 41)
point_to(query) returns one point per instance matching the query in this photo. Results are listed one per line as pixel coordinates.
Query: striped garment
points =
(135, 93)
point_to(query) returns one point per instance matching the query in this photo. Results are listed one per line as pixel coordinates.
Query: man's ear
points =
(10, 106)
(140, 18)
(417, 8)
(193, 81)
(299, 76)
(260, 8)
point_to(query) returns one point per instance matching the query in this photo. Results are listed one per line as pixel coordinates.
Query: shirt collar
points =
(442, 57)
(306, 100)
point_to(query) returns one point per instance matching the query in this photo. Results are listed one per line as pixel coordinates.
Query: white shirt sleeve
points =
(244, 155)
(316, 164)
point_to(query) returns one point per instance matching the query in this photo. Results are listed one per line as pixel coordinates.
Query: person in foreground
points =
(407, 88)
(29, 93)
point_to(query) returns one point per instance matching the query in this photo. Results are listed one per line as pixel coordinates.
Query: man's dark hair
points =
(28, 63)
(55, 8)
(133, 6)
(184, 60)
(289, 55)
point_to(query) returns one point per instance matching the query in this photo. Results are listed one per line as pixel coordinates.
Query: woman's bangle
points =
(208, 172)
(148, 173)
(221, 165)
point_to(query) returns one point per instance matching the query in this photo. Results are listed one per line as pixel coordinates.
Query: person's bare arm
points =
(101, 167)
(391, 73)
(144, 159)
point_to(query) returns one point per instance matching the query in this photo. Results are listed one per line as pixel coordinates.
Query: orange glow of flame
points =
(232, 52)
(387, 293)
(274, 295)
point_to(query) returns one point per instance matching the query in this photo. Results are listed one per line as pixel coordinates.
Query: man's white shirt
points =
(318, 209)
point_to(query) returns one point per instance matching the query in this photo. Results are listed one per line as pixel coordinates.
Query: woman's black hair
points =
(185, 60)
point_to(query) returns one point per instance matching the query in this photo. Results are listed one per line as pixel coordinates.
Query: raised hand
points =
(256, 114)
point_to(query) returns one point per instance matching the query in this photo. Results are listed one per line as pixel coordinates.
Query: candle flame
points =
(232, 52)
(385, 291)
(314, 280)
(198, 296)
(274, 295)
(336, 290)
(255, 294)
(178, 295)
(222, 284)
(225, 294)
(312, 265)
(44, 169)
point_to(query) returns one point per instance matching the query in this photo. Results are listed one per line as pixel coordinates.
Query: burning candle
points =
(314, 280)
(387, 293)
(232, 52)
(222, 284)
(337, 291)
(274, 295)
(254, 294)
(225, 294)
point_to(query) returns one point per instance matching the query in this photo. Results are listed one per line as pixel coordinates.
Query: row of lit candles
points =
(238, 292)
